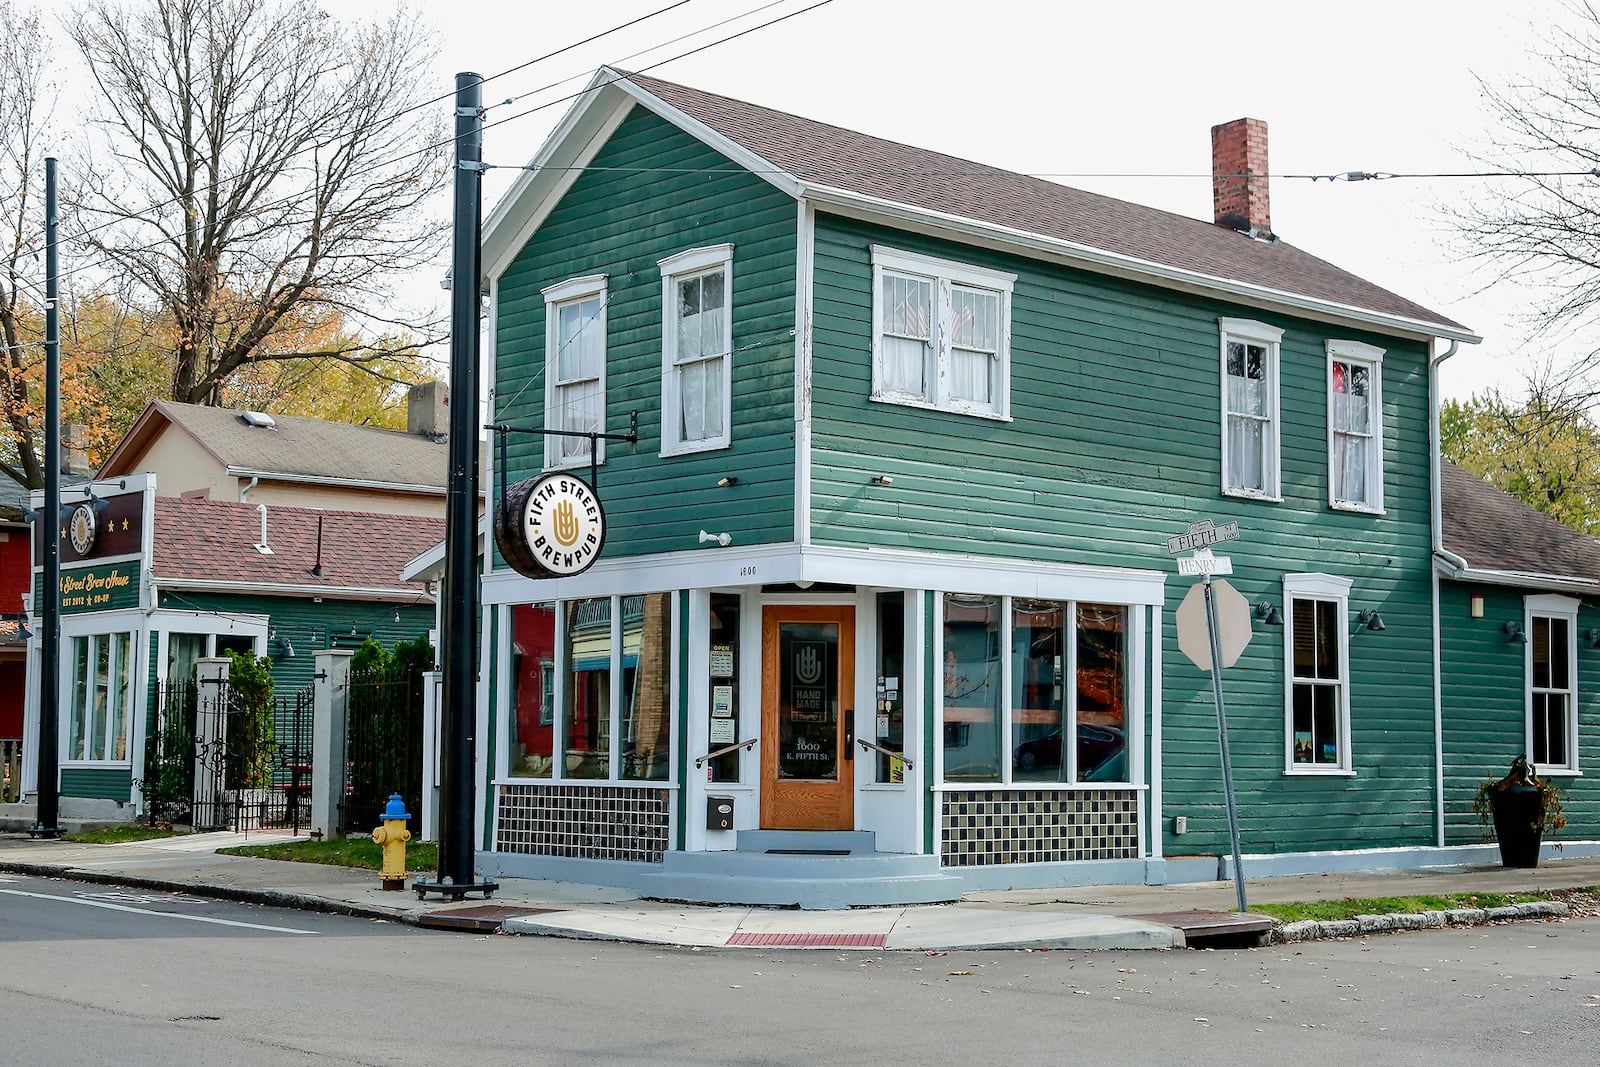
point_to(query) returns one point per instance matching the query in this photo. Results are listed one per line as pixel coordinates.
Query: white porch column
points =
(330, 710)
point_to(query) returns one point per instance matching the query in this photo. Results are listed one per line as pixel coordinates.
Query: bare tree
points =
(26, 98)
(258, 164)
(1542, 228)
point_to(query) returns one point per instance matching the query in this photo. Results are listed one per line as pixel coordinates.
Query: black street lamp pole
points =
(47, 527)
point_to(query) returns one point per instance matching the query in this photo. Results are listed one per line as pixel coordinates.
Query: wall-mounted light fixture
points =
(727, 480)
(723, 539)
(1515, 633)
(1593, 637)
(882, 479)
(396, 614)
(1477, 605)
(1372, 620)
(285, 649)
(1270, 612)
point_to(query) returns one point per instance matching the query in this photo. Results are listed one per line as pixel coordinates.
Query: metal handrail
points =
(703, 760)
(901, 756)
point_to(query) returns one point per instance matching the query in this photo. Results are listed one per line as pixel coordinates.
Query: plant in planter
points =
(1521, 808)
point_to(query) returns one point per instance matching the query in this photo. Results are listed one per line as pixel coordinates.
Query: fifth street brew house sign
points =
(550, 527)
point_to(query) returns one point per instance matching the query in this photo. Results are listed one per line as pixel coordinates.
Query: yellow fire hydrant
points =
(393, 835)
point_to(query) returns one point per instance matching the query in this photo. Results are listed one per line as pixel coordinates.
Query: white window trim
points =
(561, 293)
(694, 261)
(1317, 586)
(1248, 330)
(1372, 357)
(943, 273)
(1551, 605)
(99, 629)
(1133, 731)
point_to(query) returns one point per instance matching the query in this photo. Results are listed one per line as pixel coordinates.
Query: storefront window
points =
(586, 726)
(1068, 679)
(889, 731)
(533, 697)
(647, 687)
(97, 724)
(1102, 711)
(724, 718)
(183, 654)
(1038, 712)
(972, 687)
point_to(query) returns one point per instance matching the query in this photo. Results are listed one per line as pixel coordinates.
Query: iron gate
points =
(383, 747)
(214, 762)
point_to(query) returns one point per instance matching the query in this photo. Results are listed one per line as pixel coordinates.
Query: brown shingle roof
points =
(818, 153)
(215, 540)
(1493, 530)
(312, 447)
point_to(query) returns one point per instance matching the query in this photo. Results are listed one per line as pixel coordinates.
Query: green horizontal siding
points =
(310, 626)
(1113, 446)
(97, 784)
(1482, 678)
(620, 224)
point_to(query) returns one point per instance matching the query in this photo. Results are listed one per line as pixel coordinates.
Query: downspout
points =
(245, 491)
(1435, 506)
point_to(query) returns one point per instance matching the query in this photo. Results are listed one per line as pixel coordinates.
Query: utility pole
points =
(458, 717)
(47, 526)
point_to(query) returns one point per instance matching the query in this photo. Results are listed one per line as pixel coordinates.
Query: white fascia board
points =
(729, 568)
(574, 142)
(337, 483)
(104, 488)
(1005, 238)
(1517, 579)
(326, 592)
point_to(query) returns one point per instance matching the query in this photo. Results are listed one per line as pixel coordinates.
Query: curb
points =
(1362, 925)
(270, 897)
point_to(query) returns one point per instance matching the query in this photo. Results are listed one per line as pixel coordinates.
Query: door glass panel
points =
(808, 700)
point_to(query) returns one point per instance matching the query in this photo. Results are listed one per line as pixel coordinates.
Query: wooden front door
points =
(807, 714)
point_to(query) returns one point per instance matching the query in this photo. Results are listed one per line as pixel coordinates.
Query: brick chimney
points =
(428, 409)
(1239, 148)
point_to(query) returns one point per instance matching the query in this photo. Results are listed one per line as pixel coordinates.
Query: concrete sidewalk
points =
(1084, 917)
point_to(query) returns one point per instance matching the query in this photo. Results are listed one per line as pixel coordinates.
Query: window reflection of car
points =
(1101, 753)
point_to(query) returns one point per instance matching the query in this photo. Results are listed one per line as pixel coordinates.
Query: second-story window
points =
(941, 334)
(1250, 408)
(1355, 426)
(575, 368)
(696, 349)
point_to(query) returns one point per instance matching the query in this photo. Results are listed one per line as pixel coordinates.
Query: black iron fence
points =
(383, 746)
(217, 759)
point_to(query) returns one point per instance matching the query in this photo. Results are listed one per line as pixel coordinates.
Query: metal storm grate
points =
(808, 940)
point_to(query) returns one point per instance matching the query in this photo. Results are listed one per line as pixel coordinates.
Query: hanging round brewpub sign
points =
(551, 526)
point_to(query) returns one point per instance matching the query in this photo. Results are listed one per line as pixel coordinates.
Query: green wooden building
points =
(886, 579)
(151, 584)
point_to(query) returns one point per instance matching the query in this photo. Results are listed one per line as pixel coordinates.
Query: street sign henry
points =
(1202, 534)
(1203, 562)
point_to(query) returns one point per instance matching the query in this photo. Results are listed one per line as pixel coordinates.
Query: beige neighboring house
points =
(283, 460)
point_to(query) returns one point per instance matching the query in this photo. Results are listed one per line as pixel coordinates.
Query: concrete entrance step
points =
(814, 842)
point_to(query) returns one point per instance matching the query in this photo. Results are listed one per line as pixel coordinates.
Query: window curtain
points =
(975, 344)
(907, 334)
(701, 351)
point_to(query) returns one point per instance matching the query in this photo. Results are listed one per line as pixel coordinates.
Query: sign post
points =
(1227, 614)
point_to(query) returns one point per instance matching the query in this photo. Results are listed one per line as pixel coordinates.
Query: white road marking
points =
(163, 914)
(140, 898)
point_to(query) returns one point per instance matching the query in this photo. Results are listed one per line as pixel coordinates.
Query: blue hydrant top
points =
(396, 808)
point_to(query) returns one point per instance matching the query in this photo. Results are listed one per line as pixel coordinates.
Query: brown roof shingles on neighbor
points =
(312, 447)
(1493, 530)
(215, 540)
(818, 153)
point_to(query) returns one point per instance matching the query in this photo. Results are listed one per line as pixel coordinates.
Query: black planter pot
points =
(1518, 824)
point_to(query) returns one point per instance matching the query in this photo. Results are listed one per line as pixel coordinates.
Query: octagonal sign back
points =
(1233, 624)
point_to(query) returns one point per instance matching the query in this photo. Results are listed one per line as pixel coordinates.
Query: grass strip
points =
(351, 852)
(1349, 908)
(117, 835)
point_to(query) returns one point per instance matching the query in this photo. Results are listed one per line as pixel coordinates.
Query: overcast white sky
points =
(1079, 90)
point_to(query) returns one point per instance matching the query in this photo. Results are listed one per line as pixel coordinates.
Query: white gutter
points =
(244, 491)
(335, 592)
(342, 483)
(1435, 506)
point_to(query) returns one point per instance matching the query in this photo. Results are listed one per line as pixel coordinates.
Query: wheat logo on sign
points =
(565, 525)
(808, 665)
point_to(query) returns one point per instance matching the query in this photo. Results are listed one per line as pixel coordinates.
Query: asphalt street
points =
(93, 974)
